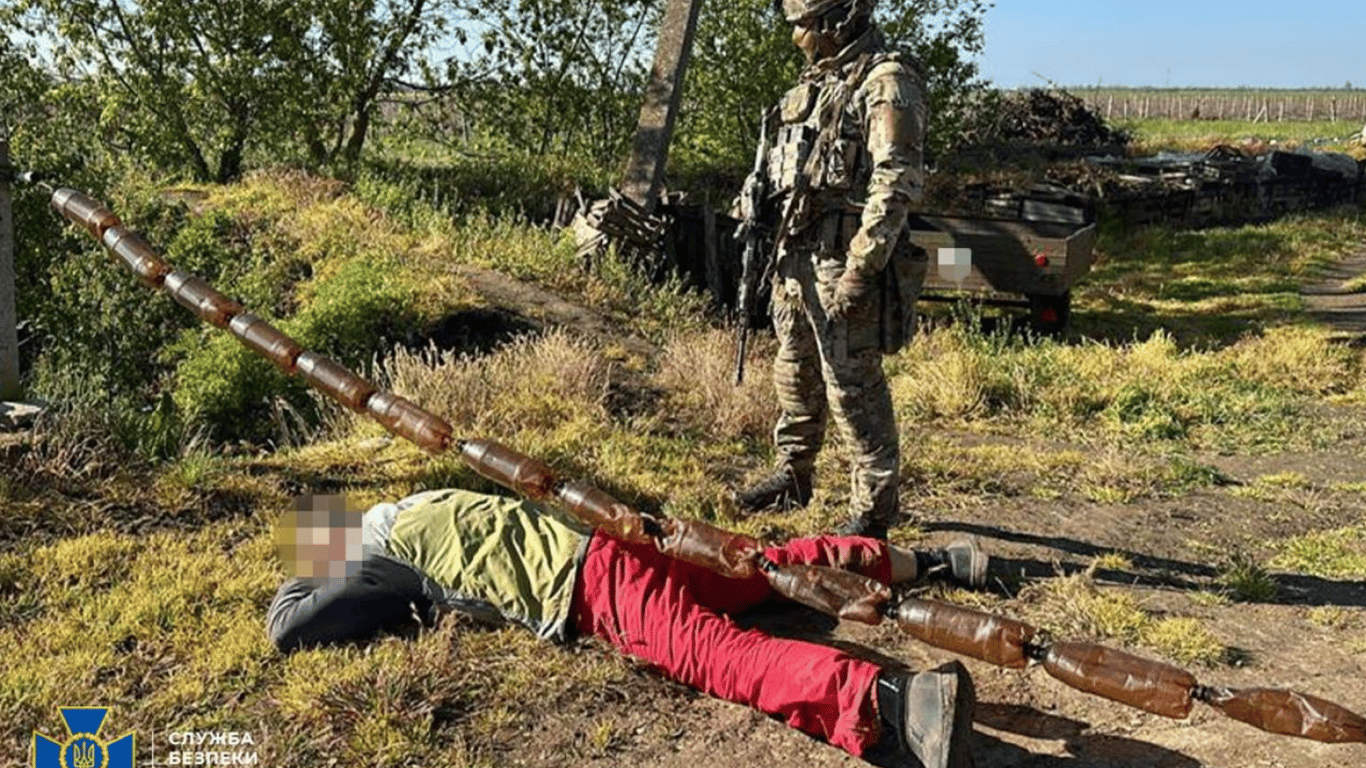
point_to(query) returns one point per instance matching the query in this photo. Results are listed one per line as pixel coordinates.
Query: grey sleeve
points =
(383, 596)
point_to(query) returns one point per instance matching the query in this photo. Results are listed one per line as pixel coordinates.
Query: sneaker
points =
(963, 562)
(862, 526)
(783, 490)
(931, 715)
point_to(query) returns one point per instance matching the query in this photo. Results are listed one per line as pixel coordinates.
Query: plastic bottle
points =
(1288, 713)
(200, 298)
(837, 592)
(601, 511)
(137, 255)
(1123, 677)
(408, 420)
(85, 211)
(510, 469)
(983, 636)
(333, 380)
(266, 340)
(733, 555)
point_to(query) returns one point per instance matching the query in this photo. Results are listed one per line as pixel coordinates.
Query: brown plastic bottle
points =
(733, 555)
(994, 639)
(85, 211)
(1289, 713)
(1149, 685)
(137, 255)
(334, 381)
(510, 469)
(837, 592)
(408, 420)
(602, 512)
(200, 298)
(266, 340)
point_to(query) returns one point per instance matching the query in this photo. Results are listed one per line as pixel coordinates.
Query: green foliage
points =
(1247, 580)
(365, 305)
(408, 179)
(195, 88)
(361, 306)
(744, 60)
(549, 76)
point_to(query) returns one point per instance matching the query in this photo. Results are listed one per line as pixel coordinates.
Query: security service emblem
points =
(82, 748)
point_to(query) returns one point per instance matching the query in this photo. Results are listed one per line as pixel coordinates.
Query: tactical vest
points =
(803, 113)
(837, 179)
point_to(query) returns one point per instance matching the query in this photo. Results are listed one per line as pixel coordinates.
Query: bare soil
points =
(1028, 719)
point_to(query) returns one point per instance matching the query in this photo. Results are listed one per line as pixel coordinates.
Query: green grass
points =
(1244, 579)
(1199, 135)
(1075, 607)
(1211, 286)
(1333, 554)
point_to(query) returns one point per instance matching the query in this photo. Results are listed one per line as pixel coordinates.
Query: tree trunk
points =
(9, 333)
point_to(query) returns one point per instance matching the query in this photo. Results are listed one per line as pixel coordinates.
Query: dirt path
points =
(547, 308)
(1330, 302)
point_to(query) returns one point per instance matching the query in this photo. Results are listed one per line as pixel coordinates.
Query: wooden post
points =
(9, 329)
(650, 149)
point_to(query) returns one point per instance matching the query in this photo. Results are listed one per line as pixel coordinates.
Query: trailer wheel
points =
(1048, 314)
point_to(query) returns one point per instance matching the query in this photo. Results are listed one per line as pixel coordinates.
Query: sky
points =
(1217, 43)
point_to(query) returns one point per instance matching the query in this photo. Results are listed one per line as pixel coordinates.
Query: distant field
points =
(1196, 135)
(1247, 104)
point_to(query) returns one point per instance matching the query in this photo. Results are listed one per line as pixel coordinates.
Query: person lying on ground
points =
(502, 559)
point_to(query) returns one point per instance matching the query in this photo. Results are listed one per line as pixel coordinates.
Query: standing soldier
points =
(845, 164)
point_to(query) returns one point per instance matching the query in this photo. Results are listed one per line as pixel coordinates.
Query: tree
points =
(744, 60)
(553, 76)
(199, 84)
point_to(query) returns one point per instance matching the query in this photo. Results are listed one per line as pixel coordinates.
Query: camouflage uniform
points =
(845, 280)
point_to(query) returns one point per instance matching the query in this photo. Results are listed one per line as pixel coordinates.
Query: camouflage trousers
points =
(825, 367)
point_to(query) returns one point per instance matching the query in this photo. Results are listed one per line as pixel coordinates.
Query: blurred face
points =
(320, 538)
(814, 45)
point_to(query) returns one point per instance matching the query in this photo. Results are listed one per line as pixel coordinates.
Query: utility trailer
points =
(1013, 262)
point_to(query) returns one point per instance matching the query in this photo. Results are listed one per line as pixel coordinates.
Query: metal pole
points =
(9, 330)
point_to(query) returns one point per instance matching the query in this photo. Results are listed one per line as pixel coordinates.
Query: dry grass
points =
(535, 385)
(695, 372)
(1248, 395)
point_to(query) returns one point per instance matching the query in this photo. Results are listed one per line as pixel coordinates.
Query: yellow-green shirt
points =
(493, 556)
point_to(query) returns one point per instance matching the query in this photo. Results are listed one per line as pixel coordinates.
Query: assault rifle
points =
(754, 260)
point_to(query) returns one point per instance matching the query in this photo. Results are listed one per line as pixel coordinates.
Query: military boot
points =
(784, 490)
(930, 715)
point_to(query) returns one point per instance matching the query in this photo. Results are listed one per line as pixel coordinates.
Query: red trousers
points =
(673, 615)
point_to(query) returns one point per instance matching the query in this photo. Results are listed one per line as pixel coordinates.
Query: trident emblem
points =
(83, 747)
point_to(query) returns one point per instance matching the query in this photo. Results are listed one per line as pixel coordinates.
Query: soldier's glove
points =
(744, 207)
(853, 288)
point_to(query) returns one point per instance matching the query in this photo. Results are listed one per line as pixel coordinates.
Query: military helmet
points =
(797, 11)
